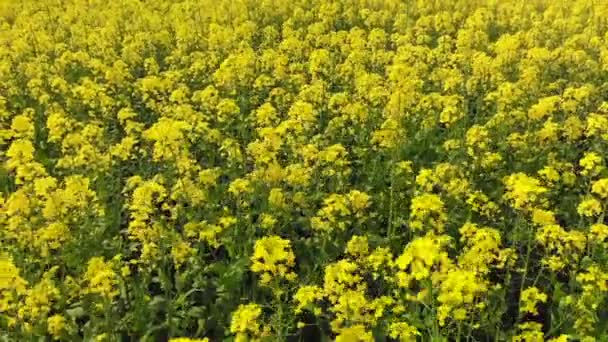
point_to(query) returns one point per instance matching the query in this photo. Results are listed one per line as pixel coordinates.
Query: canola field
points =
(304, 170)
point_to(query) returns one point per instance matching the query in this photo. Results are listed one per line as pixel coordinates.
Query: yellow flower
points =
(427, 209)
(380, 258)
(208, 177)
(562, 247)
(482, 249)
(480, 203)
(358, 200)
(40, 298)
(459, 289)
(356, 333)
(22, 127)
(403, 332)
(573, 128)
(600, 187)
(169, 137)
(298, 175)
(336, 208)
(245, 321)
(543, 217)
(545, 107)
(124, 150)
(51, 237)
(267, 221)
(598, 233)
(388, 135)
(11, 284)
(529, 298)
(272, 257)
(43, 186)
(477, 137)
(266, 115)
(227, 109)
(597, 125)
(306, 295)
(276, 198)
(589, 207)
(340, 276)
(420, 256)
(320, 62)
(450, 114)
(101, 278)
(404, 168)
(523, 190)
(175, 132)
(451, 144)
(549, 174)
(20, 152)
(181, 251)
(491, 160)
(56, 325)
(240, 186)
(591, 163)
(358, 246)
(530, 332)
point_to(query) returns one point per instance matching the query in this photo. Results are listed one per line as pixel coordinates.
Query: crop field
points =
(304, 170)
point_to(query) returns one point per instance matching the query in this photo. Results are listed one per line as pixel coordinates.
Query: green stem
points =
(525, 274)
(390, 212)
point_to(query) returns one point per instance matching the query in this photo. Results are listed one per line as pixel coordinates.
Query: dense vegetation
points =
(303, 170)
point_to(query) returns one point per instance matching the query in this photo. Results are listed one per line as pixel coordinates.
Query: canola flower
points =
(272, 170)
(273, 258)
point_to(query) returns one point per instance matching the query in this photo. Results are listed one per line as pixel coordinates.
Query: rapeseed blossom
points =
(272, 257)
(529, 298)
(101, 278)
(245, 322)
(345, 170)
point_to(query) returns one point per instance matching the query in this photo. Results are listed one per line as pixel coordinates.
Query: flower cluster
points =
(282, 170)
